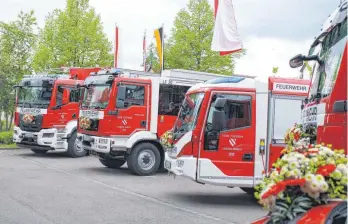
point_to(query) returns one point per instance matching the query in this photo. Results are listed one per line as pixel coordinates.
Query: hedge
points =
(6, 137)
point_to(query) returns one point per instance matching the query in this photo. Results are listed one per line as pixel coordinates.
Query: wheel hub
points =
(146, 159)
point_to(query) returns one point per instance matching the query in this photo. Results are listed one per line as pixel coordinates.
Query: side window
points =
(134, 96)
(237, 111)
(170, 99)
(59, 95)
(74, 95)
(67, 94)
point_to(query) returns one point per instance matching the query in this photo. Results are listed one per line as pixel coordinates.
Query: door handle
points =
(247, 157)
(142, 123)
(113, 112)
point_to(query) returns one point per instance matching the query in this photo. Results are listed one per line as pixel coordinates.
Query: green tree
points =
(152, 59)
(189, 46)
(17, 39)
(73, 37)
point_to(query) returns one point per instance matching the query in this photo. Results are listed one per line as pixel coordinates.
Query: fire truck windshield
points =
(34, 96)
(96, 96)
(188, 114)
(330, 52)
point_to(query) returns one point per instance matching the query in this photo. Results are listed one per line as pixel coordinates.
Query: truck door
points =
(132, 108)
(227, 153)
(66, 105)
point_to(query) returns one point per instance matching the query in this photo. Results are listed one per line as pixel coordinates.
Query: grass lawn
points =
(10, 146)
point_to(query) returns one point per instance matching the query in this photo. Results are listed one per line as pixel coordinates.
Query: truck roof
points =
(38, 79)
(227, 82)
(278, 85)
(172, 76)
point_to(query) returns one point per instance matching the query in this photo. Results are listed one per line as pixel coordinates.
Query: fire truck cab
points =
(47, 111)
(229, 130)
(122, 115)
(325, 109)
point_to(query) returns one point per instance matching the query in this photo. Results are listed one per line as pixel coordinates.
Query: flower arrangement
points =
(167, 139)
(298, 138)
(84, 123)
(307, 176)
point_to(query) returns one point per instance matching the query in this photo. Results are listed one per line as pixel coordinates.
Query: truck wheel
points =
(248, 190)
(38, 151)
(112, 163)
(144, 159)
(74, 151)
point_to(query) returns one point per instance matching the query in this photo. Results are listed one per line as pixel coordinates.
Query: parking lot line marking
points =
(139, 195)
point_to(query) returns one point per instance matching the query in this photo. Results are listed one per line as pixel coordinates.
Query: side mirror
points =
(297, 61)
(121, 93)
(46, 84)
(218, 120)
(15, 86)
(220, 103)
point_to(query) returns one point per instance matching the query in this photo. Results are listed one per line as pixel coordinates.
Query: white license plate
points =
(29, 135)
(167, 164)
(87, 138)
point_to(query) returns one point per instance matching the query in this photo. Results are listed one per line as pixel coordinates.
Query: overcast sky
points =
(272, 31)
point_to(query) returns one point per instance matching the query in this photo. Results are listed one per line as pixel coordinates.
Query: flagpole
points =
(162, 47)
(116, 46)
(144, 51)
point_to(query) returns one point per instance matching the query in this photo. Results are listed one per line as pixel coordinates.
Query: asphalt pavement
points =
(53, 188)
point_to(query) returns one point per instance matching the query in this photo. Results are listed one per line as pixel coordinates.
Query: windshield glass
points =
(330, 52)
(96, 97)
(188, 113)
(34, 96)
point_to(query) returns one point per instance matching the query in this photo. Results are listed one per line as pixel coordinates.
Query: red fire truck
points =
(325, 108)
(229, 130)
(122, 114)
(47, 111)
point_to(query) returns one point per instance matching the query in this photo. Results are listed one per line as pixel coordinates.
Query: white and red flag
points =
(226, 39)
(116, 47)
(144, 51)
(118, 53)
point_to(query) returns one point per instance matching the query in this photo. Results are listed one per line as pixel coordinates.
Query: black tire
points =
(146, 148)
(39, 151)
(72, 150)
(248, 190)
(112, 163)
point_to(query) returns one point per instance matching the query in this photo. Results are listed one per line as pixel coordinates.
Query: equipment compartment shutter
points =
(286, 113)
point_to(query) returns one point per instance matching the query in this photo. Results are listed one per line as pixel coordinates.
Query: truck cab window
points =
(332, 53)
(59, 95)
(170, 99)
(237, 111)
(134, 96)
(75, 95)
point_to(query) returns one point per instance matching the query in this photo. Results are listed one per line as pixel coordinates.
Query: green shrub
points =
(6, 137)
(3, 125)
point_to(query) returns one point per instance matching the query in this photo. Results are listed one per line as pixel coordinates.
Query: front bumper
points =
(46, 139)
(171, 165)
(181, 166)
(103, 145)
